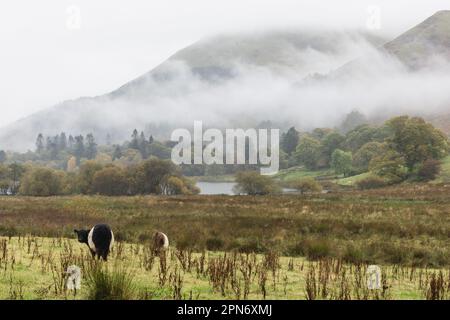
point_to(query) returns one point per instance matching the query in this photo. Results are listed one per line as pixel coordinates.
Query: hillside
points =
(219, 80)
(427, 41)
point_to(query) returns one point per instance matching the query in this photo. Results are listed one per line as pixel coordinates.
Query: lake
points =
(216, 187)
(212, 188)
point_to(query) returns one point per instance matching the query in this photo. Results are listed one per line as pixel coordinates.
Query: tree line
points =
(153, 176)
(402, 148)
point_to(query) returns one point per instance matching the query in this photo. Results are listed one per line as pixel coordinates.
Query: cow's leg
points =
(105, 255)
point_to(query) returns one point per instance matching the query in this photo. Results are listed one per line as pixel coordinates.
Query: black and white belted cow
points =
(99, 239)
(160, 242)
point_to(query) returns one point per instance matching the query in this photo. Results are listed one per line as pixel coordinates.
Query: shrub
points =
(305, 185)
(252, 183)
(178, 185)
(105, 284)
(429, 170)
(313, 249)
(214, 244)
(353, 254)
(110, 181)
(372, 182)
(41, 182)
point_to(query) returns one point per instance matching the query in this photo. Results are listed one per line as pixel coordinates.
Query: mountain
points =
(420, 47)
(429, 40)
(157, 99)
(243, 79)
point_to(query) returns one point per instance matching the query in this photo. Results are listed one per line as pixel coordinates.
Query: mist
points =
(302, 77)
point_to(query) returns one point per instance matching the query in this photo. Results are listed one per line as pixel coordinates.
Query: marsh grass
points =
(406, 225)
(34, 268)
(106, 282)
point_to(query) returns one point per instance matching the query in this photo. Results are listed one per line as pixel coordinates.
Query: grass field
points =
(405, 225)
(295, 173)
(33, 268)
(295, 244)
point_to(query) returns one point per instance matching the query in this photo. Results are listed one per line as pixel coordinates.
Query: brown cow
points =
(160, 242)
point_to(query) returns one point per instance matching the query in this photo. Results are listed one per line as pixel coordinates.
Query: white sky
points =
(43, 61)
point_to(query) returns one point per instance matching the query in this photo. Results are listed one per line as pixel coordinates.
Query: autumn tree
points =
(308, 152)
(341, 162)
(417, 140)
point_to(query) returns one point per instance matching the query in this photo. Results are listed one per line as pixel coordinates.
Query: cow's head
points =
(82, 235)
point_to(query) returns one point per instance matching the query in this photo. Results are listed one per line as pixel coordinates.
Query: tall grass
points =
(105, 282)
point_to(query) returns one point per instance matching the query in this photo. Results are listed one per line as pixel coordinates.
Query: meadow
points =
(234, 247)
(35, 268)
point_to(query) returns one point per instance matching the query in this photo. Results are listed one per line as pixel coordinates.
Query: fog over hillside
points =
(306, 78)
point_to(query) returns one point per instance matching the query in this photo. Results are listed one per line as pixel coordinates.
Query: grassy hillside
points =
(300, 172)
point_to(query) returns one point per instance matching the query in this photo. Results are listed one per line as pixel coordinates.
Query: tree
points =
(2, 156)
(117, 154)
(143, 145)
(71, 164)
(366, 153)
(16, 171)
(4, 180)
(390, 165)
(359, 136)
(148, 177)
(52, 147)
(289, 140)
(134, 144)
(78, 149)
(330, 143)
(91, 147)
(320, 133)
(39, 144)
(86, 176)
(353, 120)
(62, 141)
(252, 183)
(71, 143)
(417, 140)
(308, 152)
(110, 181)
(429, 170)
(159, 150)
(41, 182)
(341, 162)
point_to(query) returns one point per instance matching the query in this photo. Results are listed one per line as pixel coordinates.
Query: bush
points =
(429, 170)
(105, 284)
(353, 254)
(305, 185)
(41, 182)
(372, 182)
(313, 249)
(214, 244)
(252, 183)
(110, 181)
(178, 185)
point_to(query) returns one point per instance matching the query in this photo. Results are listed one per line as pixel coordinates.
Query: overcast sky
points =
(54, 50)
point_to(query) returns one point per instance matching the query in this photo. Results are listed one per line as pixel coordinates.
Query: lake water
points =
(223, 188)
(216, 187)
